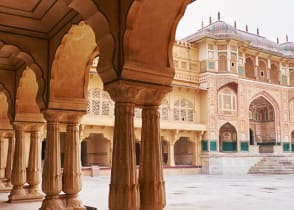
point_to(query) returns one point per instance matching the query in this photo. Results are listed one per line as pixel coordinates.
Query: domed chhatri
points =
(221, 27)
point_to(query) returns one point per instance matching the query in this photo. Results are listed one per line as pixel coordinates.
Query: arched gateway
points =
(262, 124)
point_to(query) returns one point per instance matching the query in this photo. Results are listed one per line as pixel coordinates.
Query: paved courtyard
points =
(193, 192)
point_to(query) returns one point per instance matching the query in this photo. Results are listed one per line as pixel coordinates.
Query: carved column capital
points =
(20, 126)
(52, 115)
(138, 93)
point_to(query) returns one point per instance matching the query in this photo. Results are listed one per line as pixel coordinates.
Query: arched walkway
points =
(136, 73)
(262, 123)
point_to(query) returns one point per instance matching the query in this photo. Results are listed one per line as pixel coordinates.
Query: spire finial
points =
(257, 31)
(218, 16)
(246, 28)
(210, 21)
(278, 41)
(202, 24)
(287, 38)
(235, 24)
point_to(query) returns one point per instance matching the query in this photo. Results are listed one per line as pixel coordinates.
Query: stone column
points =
(2, 158)
(51, 177)
(124, 192)
(18, 176)
(72, 176)
(171, 155)
(9, 162)
(34, 165)
(198, 147)
(152, 189)
(195, 153)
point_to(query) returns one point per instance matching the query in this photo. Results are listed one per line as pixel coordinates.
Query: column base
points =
(5, 186)
(19, 194)
(62, 202)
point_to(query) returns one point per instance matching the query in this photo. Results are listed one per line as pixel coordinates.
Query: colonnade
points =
(126, 190)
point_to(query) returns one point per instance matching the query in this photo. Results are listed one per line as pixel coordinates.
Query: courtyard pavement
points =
(197, 192)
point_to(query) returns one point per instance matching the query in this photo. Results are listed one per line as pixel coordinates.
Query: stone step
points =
(273, 165)
(269, 169)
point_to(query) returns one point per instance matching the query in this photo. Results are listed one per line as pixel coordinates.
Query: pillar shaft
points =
(124, 192)
(72, 179)
(51, 177)
(195, 153)
(171, 155)
(2, 158)
(34, 165)
(10, 153)
(152, 189)
(18, 176)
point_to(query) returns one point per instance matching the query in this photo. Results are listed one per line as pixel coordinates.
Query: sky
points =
(274, 18)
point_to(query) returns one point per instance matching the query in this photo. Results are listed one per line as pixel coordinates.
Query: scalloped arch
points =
(144, 31)
(26, 93)
(30, 62)
(104, 39)
(73, 57)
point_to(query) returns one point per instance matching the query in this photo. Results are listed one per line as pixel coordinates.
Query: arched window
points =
(291, 106)
(249, 68)
(164, 110)
(99, 103)
(183, 111)
(222, 63)
(227, 101)
(262, 70)
(274, 74)
(292, 78)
